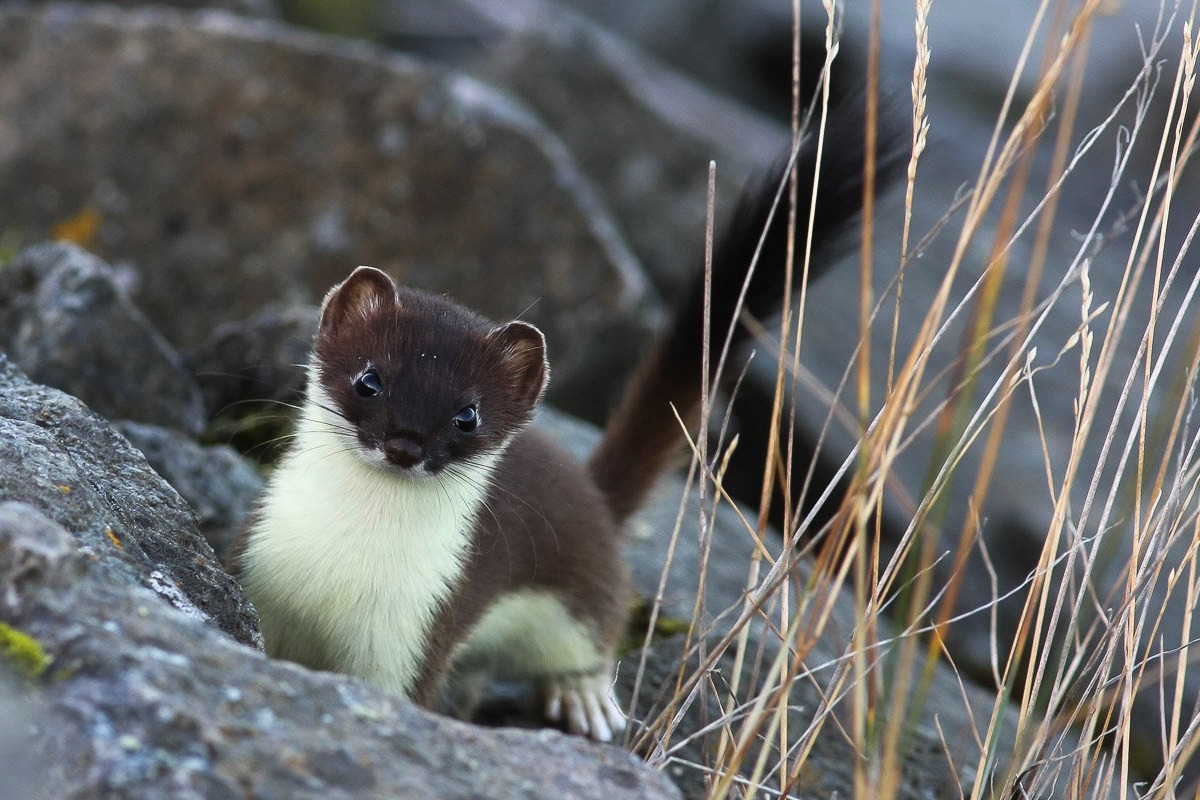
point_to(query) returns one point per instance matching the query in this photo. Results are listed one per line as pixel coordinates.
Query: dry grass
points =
(1091, 654)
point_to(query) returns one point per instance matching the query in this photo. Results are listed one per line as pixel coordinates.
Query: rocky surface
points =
(66, 319)
(231, 163)
(150, 703)
(660, 129)
(68, 463)
(257, 359)
(219, 484)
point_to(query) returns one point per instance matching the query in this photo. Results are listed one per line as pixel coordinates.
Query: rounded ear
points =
(522, 347)
(366, 290)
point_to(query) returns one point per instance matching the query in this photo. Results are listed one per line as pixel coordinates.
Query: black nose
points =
(403, 451)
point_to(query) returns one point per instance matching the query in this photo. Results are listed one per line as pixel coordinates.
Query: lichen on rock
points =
(22, 651)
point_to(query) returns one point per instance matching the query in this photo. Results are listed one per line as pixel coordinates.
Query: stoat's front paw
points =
(585, 703)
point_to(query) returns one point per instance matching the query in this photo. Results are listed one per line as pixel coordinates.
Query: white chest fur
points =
(348, 563)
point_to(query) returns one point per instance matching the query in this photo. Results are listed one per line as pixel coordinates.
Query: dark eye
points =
(368, 384)
(467, 420)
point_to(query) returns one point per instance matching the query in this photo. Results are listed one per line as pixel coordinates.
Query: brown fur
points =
(545, 527)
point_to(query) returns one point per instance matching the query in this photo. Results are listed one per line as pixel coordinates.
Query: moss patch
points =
(23, 651)
(639, 619)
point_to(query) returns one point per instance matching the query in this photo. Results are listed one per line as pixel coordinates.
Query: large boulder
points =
(660, 130)
(130, 698)
(68, 463)
(231, 162)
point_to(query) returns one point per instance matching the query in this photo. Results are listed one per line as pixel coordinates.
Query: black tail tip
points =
(832, 155)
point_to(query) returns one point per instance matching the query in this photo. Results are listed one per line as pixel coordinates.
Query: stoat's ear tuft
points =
(365, 292)
(522, 349)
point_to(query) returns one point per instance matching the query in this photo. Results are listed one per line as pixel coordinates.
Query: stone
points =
(66, 319)
(69, 463)
(260, 359)
(219, 484)
(661, 129)
(232, 162)
(142, 701)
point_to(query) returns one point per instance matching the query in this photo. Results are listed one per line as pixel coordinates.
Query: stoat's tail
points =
(643, 435)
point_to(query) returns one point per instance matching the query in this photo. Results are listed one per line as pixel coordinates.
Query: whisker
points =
(493, 485)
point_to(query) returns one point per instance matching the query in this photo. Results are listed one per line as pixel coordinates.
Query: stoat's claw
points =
(554, 705)
(589, 706)
(613, 712)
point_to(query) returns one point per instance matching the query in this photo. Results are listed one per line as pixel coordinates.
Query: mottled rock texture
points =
(138, 700)
(231, 163)
(257, 359)
(219, 484)
(66, 319)
(70, 464)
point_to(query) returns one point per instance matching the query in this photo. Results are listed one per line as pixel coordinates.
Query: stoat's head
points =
(420, 382)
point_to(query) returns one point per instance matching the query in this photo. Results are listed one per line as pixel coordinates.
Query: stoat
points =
(416, 529)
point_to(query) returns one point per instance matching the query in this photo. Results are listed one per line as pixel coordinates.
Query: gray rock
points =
(217, 483)
(260, 358)
(235, 163)
(67, 321)
(20, 766)
(266, 9)
(741, 49)
(141, 701)
(660, 130)
(68, 463)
